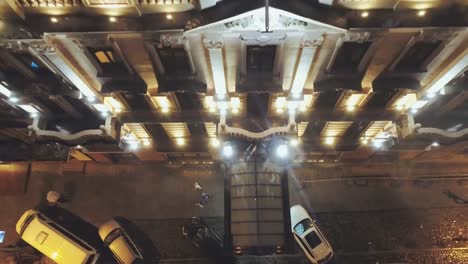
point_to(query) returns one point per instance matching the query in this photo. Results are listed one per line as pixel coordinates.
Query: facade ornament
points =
(358, 37)
(42, 47)
(243, 23)
(13, 45)
(213, 44)
(312, 43)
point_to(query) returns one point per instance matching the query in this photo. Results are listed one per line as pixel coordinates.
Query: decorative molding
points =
(290, 22)
(243, 23)
(42, 47)
(312, 43)
(359, 37)
(13, 46)
(213, 44)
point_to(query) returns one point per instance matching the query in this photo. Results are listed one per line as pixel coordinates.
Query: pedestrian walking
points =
(54, 198)
(197, 186)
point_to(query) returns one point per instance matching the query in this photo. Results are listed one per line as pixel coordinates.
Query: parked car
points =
(308, 236)
(126, 242)
(55, 241)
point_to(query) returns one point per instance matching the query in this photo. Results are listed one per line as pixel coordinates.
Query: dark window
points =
(349, 56)
(174, 60)
(26, 223)
(415, 58)
(112, 236)
(71, 236)
(313, 239)
(260, 60)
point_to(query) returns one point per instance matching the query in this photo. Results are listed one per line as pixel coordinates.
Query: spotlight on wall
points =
(422, 13)
(214, 142)
(169, 17)
(112, 19)
(365, 14)
(228, 150)
(294, 142)
(282, 151)
(54, 20)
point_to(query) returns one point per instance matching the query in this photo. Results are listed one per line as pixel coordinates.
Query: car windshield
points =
(313, 239)
(303, 226)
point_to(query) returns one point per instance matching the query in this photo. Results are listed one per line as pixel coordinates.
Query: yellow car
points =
(53, 240)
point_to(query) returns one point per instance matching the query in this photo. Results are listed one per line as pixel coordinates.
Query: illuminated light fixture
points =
(101, 107)
(14, 99)
(214, 142)
(2, 233)
(180, 142)
(294, 142)
(431, 95)
(399, 107)
(134, 145)
(422, 13)
(282, 151)
(235, 104)
(118, 110)
(329, 140)
(280, 104)
(54, 20)
(365, 14)
(112, 19)
(435, 144)
(91, 98)
(104, 114)
(377, 143)
(163, 103)
(146, 142)
(228, 150)
(414, 110)
(365, 141)
(33, 115)
(169, 17)
(29, 108)
(296, 95)
(442, 91)
(78, 146)
(350, 108)
(4, 90)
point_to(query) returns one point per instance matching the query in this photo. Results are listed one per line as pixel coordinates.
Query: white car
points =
(124, 248)
(308, 236)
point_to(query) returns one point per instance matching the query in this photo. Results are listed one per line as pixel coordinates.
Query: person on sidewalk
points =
(197, 186)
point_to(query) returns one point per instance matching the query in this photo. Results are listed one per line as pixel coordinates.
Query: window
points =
(415, 58)
(260, 60)
(108, 61)
(174, 60)
(71, 236)
(302, 226)
(104, 56)
(112, 236)
(313, 239)
(349, 56)
(26, 223)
